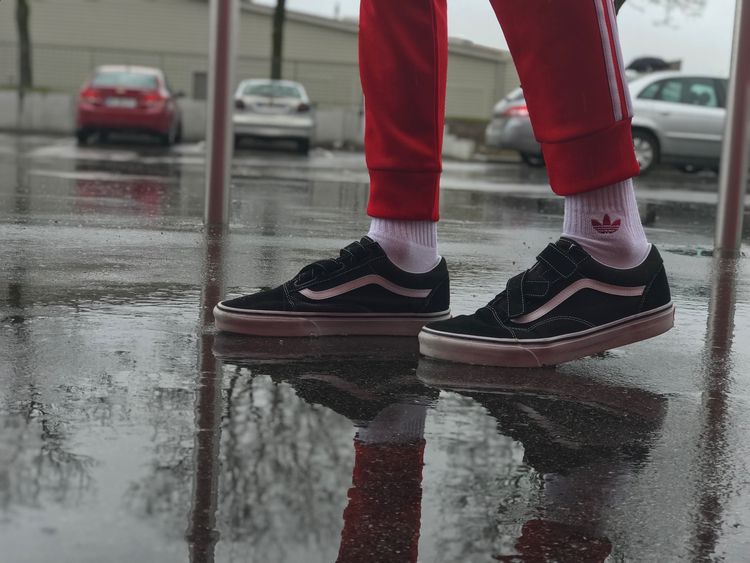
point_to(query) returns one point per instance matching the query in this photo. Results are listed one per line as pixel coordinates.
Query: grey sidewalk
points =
(129, 430)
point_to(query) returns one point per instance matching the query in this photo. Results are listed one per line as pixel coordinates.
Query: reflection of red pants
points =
(543, 541)
(382, 519)
(567, 55)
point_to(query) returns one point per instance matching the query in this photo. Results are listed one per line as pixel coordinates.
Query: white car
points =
(678, 119)
(273, 109)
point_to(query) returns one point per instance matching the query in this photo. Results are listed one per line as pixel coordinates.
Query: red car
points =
(132, 99)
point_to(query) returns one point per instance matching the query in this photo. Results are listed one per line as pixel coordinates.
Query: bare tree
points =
(277, 39)
(25, 80)
(686, 7)
(671, 7)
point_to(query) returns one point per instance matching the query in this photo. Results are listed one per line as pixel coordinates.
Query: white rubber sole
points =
(271, 323)
(545, 352)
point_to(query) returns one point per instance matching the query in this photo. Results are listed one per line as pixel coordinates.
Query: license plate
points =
(271, 108)
(120, 102)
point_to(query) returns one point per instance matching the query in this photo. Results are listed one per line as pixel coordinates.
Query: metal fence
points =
(64, 68)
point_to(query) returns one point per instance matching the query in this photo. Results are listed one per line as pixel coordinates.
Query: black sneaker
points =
(360, 292)
(566, 306)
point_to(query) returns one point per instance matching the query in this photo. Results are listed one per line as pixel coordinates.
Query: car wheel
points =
(646, 148)
(237, 142)
(170, 138)
(303, 146)
(533, 160)
(82, 137)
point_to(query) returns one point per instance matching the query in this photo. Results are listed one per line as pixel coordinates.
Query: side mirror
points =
(179, 94)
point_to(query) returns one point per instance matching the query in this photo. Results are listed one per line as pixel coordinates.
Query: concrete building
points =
(71, 37)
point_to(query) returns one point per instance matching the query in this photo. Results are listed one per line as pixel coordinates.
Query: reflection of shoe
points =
(360, 292)
(542, 540)
(355, 376)
(544, 382)
(254, 349)
(350, 387)
(565, 307)
(563, 421)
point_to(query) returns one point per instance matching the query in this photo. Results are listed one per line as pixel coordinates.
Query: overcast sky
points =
(703, 42)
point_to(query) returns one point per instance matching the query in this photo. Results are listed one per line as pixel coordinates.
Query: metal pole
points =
(221, 62)
(202, 533)
(734, 162)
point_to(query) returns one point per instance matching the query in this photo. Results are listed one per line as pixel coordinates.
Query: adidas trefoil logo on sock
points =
(606, 227)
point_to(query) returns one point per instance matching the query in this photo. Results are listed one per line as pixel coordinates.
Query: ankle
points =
(606, 223)
(410, 245)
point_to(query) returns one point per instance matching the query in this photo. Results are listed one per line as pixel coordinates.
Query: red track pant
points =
(567, 54)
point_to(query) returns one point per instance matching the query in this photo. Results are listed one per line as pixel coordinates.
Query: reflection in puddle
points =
(579, 435)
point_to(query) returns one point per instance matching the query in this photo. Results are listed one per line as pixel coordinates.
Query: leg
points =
(602, 285)
(567, 56)
(403, 52)
(392, 282)
(579, 104)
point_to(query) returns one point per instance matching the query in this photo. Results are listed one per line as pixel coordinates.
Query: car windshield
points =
(124, 79)
(271, 90)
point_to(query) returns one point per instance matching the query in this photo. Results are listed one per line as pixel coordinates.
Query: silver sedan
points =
(273, 109)
(678, 119)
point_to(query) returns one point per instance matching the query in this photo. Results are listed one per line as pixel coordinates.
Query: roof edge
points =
(455, 45)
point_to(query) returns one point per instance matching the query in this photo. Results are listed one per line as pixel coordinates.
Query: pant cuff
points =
(395, 194)
(587, 163)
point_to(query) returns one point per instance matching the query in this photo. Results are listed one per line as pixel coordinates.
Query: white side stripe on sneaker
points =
(574, 288)
(372, 279)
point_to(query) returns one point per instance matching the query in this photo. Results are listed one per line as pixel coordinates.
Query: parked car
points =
(273, 109)
(678, 119)
(129, 99)
(510, 128)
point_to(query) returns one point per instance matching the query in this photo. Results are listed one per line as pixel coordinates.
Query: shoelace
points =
(347, 256)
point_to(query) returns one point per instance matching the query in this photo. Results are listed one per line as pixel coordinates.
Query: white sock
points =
(410, 245)
(606, 223)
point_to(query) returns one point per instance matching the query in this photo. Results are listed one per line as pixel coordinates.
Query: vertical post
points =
(202, 534)
(221, 62)
(734, 162)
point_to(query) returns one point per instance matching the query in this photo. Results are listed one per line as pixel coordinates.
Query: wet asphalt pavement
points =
(131, 431)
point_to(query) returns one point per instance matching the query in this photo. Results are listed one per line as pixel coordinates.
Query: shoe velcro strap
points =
(557, 260)
(514, 296)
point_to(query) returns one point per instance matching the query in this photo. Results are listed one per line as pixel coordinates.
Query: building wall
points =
(71, 37)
